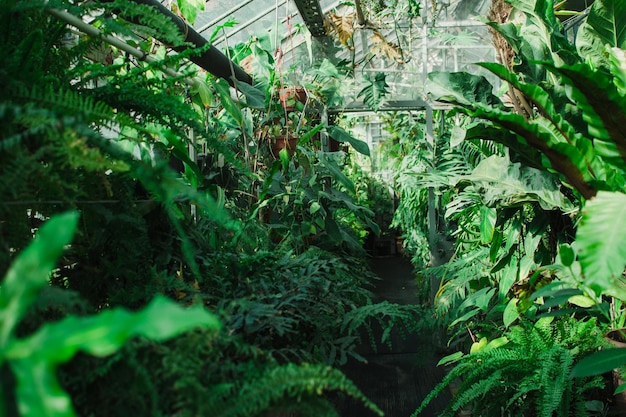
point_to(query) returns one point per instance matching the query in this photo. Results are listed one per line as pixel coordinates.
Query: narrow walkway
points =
(398, 379)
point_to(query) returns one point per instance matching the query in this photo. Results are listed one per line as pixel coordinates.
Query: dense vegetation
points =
(163, 255)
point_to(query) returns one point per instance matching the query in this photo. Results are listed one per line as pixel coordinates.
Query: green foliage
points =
(599, 240)
(529, 374)
(578, 146)
(34, 359)
(340, 135)
(375, 91)
(603, 28)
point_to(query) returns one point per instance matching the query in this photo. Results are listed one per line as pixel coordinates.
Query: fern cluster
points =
(529, 375)
(205, 374)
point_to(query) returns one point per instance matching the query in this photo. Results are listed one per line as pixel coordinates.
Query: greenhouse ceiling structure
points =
(405, 45)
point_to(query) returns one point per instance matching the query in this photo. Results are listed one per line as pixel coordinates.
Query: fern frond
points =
(290, 381)
(555, 366)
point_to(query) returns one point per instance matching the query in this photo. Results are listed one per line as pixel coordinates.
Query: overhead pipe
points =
(94, 32)
(212, 60)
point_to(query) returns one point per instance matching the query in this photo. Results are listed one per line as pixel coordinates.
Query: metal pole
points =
(92, 31)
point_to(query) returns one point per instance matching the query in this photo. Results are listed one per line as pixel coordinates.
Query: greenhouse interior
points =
(298, 208)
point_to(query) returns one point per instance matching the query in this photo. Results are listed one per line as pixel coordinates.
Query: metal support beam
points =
(212, 60)
(313, 17)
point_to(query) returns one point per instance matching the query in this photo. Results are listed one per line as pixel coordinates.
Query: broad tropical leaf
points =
(461, 88)
(30, 271)
(605, 25)
(506, 184)
(604, 108)
(342, 136)
(34, 359)
(600, 362)
(541, 134)
(601, 239)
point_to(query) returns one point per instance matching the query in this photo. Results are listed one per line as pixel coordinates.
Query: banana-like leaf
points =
(601, 240)
(505, 184)
(604, 108)
(605, 25)
(617, 67)
(542, 99)
(540, 134)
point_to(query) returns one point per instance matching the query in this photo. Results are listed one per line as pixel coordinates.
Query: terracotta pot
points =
(288, 142)
(288, 96)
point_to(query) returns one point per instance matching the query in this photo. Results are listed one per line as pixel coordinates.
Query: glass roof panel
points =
(445, 37)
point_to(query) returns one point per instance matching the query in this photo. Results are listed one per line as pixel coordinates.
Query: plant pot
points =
(333, 145)
(288, 142)
(289, 96)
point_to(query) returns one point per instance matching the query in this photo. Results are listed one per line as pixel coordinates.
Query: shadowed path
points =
(398, 379)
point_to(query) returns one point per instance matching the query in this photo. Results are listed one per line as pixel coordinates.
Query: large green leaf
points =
(223, 91)
(539, 133)
(605, 25)
(600, 362)
(254, 96)
(543, 25)
(544, 101)
(461, 88)
(601, 241)
(506, 184)
(29, 273)
(35, 358)
(604, 108)
(336, 172)
(342, 136)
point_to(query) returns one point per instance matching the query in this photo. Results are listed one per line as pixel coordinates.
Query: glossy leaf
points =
(488, 217)
(605, 25)
(223, 91)
(604, 108)
(254, 96)
(29, 272)
(601, 238)
(538, 133)
(461, 88)
(336, 172)
(600, 362)
(340, 135)
(506, 184)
